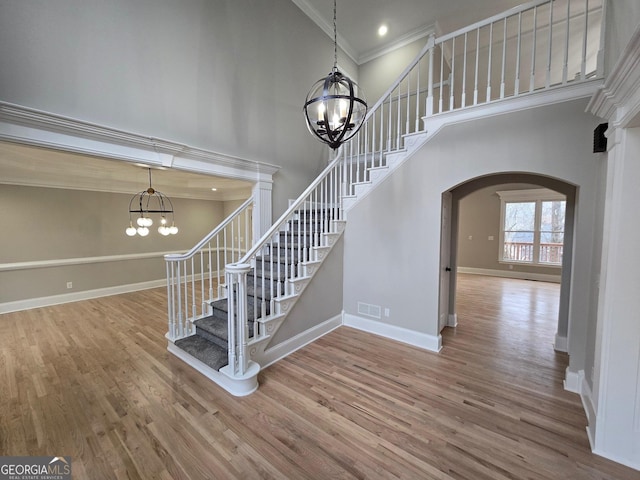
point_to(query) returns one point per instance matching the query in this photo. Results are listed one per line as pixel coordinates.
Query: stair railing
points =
(537, 46)
(196, 278)
(522, 50)
(294, 243)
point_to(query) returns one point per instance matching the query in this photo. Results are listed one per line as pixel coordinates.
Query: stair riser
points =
(221, 342)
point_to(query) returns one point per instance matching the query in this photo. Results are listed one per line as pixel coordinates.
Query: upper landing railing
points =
(537, 46)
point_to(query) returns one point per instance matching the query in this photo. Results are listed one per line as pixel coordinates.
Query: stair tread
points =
(213, 325)
(207, 352)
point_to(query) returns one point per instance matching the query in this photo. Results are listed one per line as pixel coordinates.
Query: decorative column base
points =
(241, 385)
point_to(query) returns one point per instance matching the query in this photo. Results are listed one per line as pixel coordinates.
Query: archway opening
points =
(492, 239)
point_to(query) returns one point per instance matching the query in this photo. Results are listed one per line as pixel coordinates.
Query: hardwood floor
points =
(93, 380)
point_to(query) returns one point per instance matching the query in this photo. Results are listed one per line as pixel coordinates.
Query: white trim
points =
(530, 194)
(452, 321)
(406, 39)
(525, 101)
(280, 351)
(561, 343)
(618, 100)
(573, 381)
(29, 303)
(541, 277)
(238, 387)
(65, 262)
(589, 409)
(432, 343)
(616, 458)
(28, 126)
(326, 27)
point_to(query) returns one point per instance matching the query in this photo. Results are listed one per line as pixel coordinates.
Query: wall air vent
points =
(369, 310)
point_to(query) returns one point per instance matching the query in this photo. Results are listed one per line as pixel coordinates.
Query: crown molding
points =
(326, 27)
(28, 126)
(618, 100)
(403, 41)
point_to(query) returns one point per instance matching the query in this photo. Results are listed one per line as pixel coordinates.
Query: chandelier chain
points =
(335, 39)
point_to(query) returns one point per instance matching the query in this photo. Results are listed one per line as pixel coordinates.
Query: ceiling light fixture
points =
(150, 201)
(382, 31)
(335, 107)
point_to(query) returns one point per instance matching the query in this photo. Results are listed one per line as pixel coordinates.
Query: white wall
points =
(222, 75)
(623, 17)
(392, 238)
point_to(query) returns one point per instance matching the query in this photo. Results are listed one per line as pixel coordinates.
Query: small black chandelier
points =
(335, 108)
(146, 202)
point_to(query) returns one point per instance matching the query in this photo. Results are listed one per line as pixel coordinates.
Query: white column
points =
(262, 213)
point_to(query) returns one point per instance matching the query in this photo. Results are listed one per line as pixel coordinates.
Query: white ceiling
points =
(357, 24)
(33, 166)
(407, 20)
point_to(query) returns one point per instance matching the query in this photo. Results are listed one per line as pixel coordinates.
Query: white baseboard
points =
(453, 320)
(432, 343)
(278, 352)
(589, 409)
(573, 381)
(29, 303)
(541, 277)
(561, 344)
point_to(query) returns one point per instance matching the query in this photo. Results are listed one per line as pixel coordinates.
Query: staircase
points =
(297, 250)
(514, 60)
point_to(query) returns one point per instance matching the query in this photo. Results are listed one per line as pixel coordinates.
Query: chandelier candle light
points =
(150, 201)
(335, 108)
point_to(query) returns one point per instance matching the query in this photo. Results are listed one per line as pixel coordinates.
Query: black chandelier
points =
(145, 203)
(335, 108)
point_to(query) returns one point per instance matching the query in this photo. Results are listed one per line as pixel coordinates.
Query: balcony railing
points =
(548, 253)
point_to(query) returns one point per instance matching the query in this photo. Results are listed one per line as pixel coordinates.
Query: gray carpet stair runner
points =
(210, 343)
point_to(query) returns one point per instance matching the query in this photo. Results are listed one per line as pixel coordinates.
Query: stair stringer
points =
(412, 143)
(258, 347)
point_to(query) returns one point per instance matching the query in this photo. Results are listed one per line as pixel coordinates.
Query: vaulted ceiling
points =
(357, 24)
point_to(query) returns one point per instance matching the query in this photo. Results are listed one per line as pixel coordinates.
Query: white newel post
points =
(429, 106)
(242, 372)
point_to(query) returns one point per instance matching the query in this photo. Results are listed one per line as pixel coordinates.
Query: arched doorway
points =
(450, 242)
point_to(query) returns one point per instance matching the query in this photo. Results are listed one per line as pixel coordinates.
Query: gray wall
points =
(41, 224)
(479, 217)
(398, 224)
(623, 18)
(223, 75)
(321, 300)
(377, 75)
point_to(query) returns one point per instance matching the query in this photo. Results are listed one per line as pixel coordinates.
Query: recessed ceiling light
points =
(382, 31)
(213, 189)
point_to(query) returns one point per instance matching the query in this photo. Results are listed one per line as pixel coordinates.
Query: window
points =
(532, 226)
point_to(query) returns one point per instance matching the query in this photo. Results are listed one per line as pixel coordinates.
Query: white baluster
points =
(417, 127)
(463, 100)
(504, 58)
(549, 57)
(488, 99)
(170, 316)
(532, 80)
(516, 86)
(565, 68)
(453, 73)
(583, 66)
(441, 96)
(406, 127)
(475, 88)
